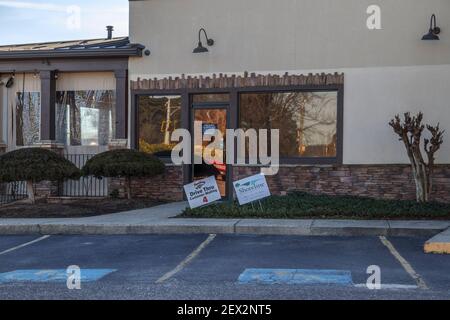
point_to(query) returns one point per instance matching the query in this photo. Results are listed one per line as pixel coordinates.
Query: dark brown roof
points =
(114, 47)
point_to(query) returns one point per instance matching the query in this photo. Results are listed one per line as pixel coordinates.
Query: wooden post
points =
(48, 101)
(121, 103)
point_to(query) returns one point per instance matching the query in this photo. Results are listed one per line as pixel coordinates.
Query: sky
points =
(30, 21)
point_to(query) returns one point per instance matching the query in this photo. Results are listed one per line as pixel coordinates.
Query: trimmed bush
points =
(35, 165)
(300, 205)
(124, 163)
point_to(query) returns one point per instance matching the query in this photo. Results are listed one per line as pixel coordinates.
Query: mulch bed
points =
(74, 209)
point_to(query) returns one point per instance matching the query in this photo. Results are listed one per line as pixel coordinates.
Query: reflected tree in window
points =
(28, 118)
(85, 118)
(159, 116)
(307, 120)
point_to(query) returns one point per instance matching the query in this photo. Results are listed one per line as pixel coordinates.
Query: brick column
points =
(47, 189)
(116, 144)
(3, 147)
(52, 146)
(48, 128)
(117, 184)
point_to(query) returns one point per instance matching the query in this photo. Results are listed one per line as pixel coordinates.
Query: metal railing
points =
(11, 192)
(86, 186)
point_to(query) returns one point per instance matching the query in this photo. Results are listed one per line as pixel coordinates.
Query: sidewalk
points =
(159, 220)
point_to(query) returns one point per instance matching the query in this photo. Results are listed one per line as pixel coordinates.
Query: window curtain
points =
(24, 104)
(85, 109)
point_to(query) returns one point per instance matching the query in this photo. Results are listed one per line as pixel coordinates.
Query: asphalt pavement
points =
(199, 266)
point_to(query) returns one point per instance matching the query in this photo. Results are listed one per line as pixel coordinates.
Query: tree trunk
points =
(410, 132)
(421, 179)
(30, 192)
(128, 187)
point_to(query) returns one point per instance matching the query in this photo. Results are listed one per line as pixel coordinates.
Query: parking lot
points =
(221, 267)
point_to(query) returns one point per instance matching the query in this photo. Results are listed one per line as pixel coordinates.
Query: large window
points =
(307, 120)
(158, 117)
(85, 118)
(28, 118)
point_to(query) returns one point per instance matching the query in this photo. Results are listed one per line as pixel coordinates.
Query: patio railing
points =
(11, 192)
(86, 186)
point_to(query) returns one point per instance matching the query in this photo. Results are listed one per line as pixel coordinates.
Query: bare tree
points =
(410, 132)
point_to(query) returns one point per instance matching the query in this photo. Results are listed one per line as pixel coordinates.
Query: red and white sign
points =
(202, 192)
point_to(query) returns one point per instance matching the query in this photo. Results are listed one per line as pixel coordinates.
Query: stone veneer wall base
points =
(374, 181)
(392, 182)
(47, 189)
(166, 187)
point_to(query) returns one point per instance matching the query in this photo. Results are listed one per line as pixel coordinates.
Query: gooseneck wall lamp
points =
(200, 48)
(434, 30)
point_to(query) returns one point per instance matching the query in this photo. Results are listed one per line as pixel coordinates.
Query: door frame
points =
(210, 105)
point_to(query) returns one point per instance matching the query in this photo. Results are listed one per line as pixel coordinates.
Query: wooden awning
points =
(224, 81)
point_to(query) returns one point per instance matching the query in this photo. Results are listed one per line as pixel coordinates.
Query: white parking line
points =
(390, 286)
(24, 245)
(188, 259)
(405, 264)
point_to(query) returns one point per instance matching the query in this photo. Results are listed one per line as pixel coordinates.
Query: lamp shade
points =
(430, 36)
(433, 31)
(200, 48)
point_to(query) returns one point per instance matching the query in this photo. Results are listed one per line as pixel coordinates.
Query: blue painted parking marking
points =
(296, 276)
(58, 275)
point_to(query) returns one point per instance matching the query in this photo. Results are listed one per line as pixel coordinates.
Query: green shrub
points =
(300, 205)
(124, 163)
(35, 165)
(115, 194)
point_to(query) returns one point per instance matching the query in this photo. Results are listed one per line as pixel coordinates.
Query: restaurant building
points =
(328, 74)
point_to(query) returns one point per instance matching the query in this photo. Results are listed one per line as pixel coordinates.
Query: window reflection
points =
(85, 118)
(159, 116)
(28, 118)
(307, 120)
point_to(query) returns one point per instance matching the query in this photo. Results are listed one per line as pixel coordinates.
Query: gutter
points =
(72, 53)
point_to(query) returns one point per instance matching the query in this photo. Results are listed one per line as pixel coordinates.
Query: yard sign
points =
(252, 189)
(202, 192)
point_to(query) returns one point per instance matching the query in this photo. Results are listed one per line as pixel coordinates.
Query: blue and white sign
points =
(252, 189)
(209, 128)
(202, 192)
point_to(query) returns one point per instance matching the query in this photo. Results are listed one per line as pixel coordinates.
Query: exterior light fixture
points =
(434, 30)
(201, 48)
(10, 81)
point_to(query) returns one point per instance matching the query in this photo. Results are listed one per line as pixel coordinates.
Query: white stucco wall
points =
(285, 34)
(374, 95)
(387, 71)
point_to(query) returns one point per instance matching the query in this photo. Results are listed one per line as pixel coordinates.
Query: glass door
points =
(212, 118)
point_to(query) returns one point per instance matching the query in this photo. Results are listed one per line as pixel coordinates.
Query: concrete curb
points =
(232, 226)
(439, 244)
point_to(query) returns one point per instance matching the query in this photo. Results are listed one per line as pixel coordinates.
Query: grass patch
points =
(300, 205)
